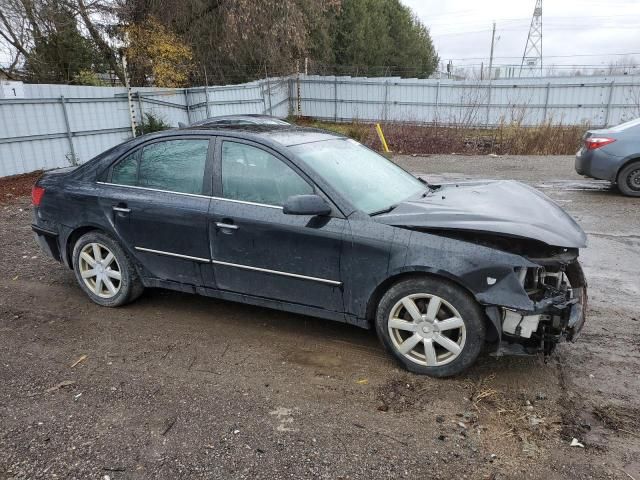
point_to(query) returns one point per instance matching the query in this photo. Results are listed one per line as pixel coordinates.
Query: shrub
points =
(506, 138)
(151, 123)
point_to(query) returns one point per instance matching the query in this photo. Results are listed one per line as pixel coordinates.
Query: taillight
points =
(36, 195)
(596, 142)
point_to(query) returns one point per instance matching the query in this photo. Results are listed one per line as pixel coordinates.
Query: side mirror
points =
(306, 205)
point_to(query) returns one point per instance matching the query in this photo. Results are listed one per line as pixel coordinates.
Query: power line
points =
(502, 21)
(604, 54)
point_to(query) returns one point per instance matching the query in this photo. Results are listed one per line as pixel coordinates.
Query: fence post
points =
(606, 118)
(206, 98)
(335, 98)
(546, 103)
(437, 102)
(290, 81)
(74, 160)
(186, 102)
(269, 96)
(132, 113)
(299, 100)
(263, 96)
(488, 102)
(141, 112)
(385, 111)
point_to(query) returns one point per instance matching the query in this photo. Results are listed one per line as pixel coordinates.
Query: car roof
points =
(285, 135)
(249, 117)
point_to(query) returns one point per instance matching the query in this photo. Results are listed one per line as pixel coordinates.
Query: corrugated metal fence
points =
(594, 101)
(58, 125)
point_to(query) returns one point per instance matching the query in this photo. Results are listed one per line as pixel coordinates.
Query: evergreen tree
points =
(61, 54)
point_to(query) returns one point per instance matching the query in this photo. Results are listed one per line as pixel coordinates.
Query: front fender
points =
(487, 273)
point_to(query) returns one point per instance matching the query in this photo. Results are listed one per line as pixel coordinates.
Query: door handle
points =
(121, 209)
(229, 226)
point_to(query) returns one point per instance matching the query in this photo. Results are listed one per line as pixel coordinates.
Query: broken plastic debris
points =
(362, 381)
(576, 443)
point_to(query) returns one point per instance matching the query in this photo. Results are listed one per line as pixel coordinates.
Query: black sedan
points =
(311, 222)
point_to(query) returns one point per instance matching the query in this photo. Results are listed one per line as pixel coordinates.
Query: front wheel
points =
(104, 271)
(629, 180)
(432, 326)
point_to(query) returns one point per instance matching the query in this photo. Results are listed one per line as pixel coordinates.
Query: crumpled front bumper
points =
(558, 315)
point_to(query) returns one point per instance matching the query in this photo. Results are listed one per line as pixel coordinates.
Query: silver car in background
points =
(613, 154)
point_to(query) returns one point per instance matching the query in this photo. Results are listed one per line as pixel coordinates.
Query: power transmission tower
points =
(532, 57)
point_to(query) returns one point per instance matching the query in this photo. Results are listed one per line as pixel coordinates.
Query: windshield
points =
(368, 180)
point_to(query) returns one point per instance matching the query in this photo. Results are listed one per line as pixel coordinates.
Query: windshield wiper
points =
(384, 210)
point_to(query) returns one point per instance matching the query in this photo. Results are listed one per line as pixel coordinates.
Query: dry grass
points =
(505, 139)
(619, 418)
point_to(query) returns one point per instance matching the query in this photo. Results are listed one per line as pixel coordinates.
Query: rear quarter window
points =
(172, 165)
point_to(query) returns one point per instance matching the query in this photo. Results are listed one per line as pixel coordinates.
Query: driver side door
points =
(258, 250)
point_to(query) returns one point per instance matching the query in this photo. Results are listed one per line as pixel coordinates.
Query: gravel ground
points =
(179, 386)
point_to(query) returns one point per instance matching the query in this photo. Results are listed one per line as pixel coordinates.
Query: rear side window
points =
(125, 172)
(174, 165)
(252, 175)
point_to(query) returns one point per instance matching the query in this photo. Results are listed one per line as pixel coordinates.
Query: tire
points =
(629, 179)
(111, 282)
(464, 330)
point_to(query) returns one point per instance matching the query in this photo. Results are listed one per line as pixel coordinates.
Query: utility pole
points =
(493, 39)
(532, 56)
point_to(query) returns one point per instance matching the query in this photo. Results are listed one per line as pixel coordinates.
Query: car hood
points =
(504, 207)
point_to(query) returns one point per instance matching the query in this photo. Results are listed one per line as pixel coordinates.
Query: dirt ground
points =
(179, 386)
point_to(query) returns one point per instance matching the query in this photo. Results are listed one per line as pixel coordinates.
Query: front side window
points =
(252, 175)
(173, 165)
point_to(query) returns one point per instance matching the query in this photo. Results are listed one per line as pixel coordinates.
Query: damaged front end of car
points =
(557, 292)
(519, 257)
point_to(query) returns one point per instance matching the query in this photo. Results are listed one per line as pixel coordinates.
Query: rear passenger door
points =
(159, 197)
(257, 249)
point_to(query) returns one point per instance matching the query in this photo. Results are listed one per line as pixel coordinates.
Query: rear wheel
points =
(431, 326)
(629, 179)
(104, 271)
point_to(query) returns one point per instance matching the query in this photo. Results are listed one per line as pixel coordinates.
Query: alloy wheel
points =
(427, 330)
(100, 270)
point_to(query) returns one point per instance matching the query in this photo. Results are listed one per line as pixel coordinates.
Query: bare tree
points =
(15, 34)
(99, 9)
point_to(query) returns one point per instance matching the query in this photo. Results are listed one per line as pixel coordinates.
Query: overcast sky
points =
(461, 29)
